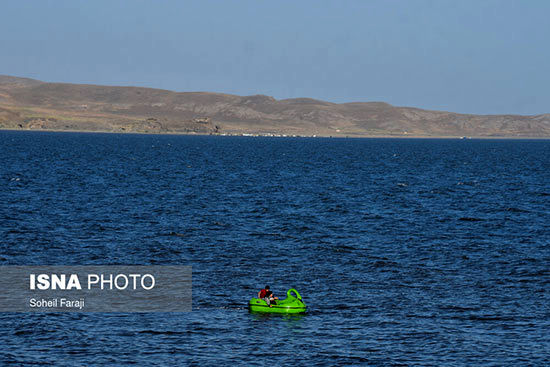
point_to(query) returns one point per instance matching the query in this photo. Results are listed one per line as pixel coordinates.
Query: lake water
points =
(406, 251)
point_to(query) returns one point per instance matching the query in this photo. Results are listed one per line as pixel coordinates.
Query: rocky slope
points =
(31, 104)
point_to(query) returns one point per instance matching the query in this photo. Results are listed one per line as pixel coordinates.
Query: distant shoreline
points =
(27, 104)
(252, 135)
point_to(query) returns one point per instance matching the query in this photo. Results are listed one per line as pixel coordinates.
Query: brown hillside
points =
(31, 104)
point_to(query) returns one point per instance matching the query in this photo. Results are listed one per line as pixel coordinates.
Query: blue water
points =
(407, 252)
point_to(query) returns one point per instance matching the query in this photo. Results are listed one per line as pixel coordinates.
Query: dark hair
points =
(266, 287)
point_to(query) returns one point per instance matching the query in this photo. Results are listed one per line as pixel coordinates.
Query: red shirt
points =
(263, 293)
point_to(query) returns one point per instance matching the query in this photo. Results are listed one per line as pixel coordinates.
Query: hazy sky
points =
(481, 56)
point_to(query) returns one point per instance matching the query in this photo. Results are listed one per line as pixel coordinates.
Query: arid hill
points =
(31, 104)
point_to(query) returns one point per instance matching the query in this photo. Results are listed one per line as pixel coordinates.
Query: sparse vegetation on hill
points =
(31, 104)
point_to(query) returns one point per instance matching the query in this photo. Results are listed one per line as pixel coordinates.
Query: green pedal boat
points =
(290, 305)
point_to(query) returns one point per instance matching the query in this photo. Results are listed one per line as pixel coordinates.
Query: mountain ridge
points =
(28, 104)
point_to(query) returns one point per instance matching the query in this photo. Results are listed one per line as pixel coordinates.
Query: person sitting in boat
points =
(267, 296)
